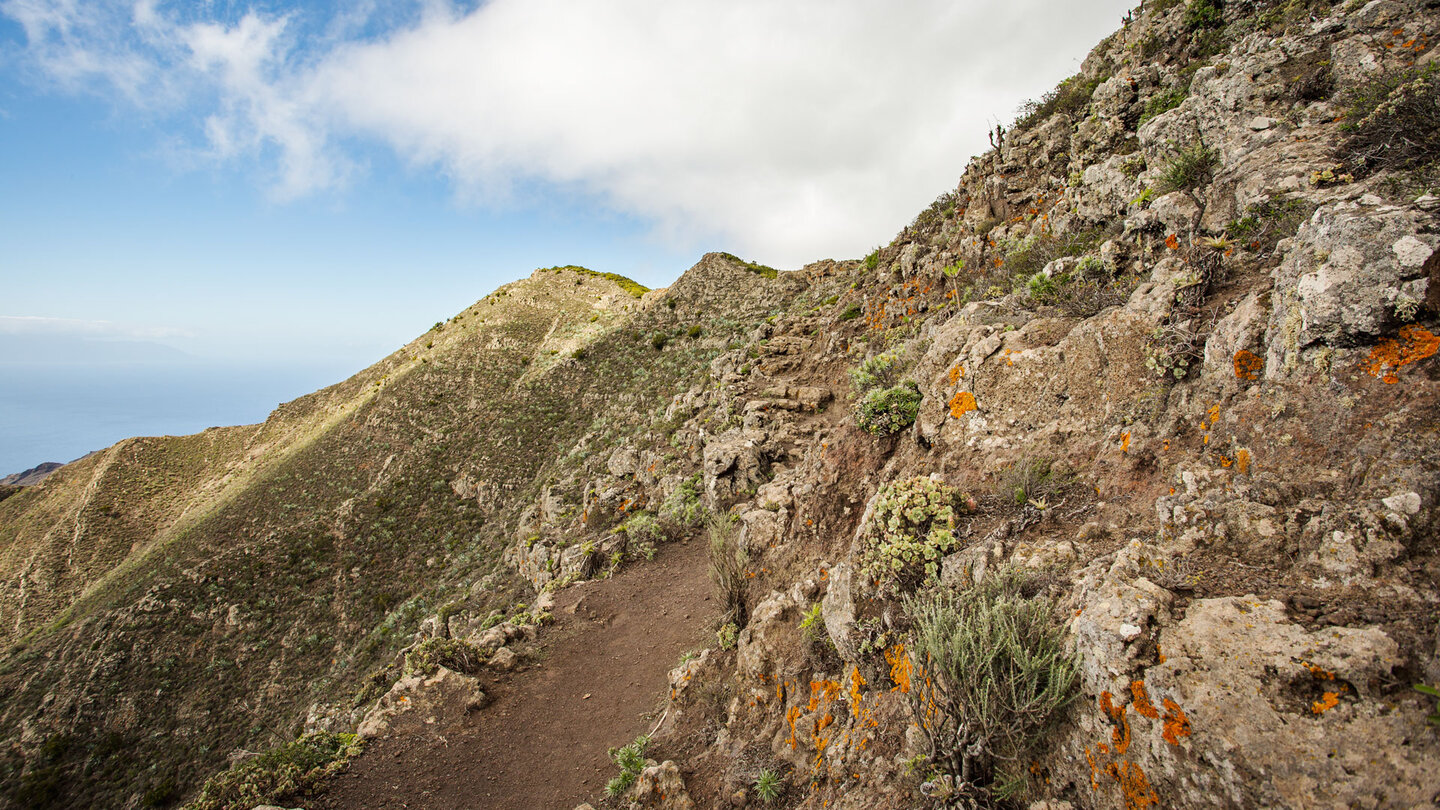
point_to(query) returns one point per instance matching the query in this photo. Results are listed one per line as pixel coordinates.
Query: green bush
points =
(997, 678)
(884, 411)
(1071, 97)
(851, 313)
(694, 331)
(872, 259)
(911, 527)
(1190, 169)
(1205, 14)
(282, 772)
(658, 340)
(642, 527)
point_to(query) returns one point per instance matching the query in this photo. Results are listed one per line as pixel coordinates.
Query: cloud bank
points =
(786, 131)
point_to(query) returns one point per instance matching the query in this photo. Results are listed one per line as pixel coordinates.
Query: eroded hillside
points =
(1156, 383)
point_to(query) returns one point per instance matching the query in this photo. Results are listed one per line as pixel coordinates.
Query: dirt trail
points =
(542, 743)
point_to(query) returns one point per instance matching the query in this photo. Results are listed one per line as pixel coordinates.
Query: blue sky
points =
(284, 183)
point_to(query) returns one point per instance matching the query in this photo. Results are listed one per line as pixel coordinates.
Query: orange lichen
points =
(1143, 706)
(1242, 461)
(1415, 343)
(957, 372)
(900, 668)
(1120, 734)
(1248, 365)
(1177, 725)
(1327, 701)
(856, 683)
(791, 715)
(1172, 241)
(1125, 442)
(962, 403)
(1133, 785)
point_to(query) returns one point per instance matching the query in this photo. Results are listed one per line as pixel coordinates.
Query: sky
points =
(316, 183)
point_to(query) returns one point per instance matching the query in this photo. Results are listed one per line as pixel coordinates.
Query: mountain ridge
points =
(1160, 367)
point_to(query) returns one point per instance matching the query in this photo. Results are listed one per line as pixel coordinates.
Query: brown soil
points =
(542, 743)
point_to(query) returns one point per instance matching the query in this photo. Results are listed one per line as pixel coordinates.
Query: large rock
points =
(735, 462)
(415, 702)
(1342, 276)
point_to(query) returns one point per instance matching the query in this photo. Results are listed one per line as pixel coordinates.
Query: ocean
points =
(61, 412)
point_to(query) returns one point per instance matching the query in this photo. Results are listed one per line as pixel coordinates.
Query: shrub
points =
(1071, 97)
(911, 527)
(997, 677)
(1190, 169)
(1205, 14)
(872, 259)
(877, 371)
(631, 761)
(279, 773)
(1162, 102)
(642, 527)
(851, 313)
(658, 340)
(451, 653)
(694, 331)
(727, 568)
(683, 507)
(884, 411)
(1394, 120)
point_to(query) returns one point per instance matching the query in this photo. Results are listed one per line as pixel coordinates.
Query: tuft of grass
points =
(1162, 102)
(452, 653)
(998, 677)
(727, 568)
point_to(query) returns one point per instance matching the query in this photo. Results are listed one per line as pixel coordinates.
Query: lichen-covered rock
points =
(415, 701)
(1282, 716)
(1344, 274)
(661, 787)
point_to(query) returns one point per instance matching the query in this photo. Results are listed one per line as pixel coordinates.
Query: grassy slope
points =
(228, 580)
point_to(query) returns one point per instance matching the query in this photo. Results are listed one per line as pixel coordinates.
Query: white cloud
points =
(790, 131)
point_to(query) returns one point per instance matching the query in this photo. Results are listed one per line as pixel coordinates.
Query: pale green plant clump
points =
(683, 507)
(877, 371)
(998, 678)
(911, 528)
(631, 760)
(884, 411)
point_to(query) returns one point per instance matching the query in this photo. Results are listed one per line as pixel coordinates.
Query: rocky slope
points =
(1168, 351)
